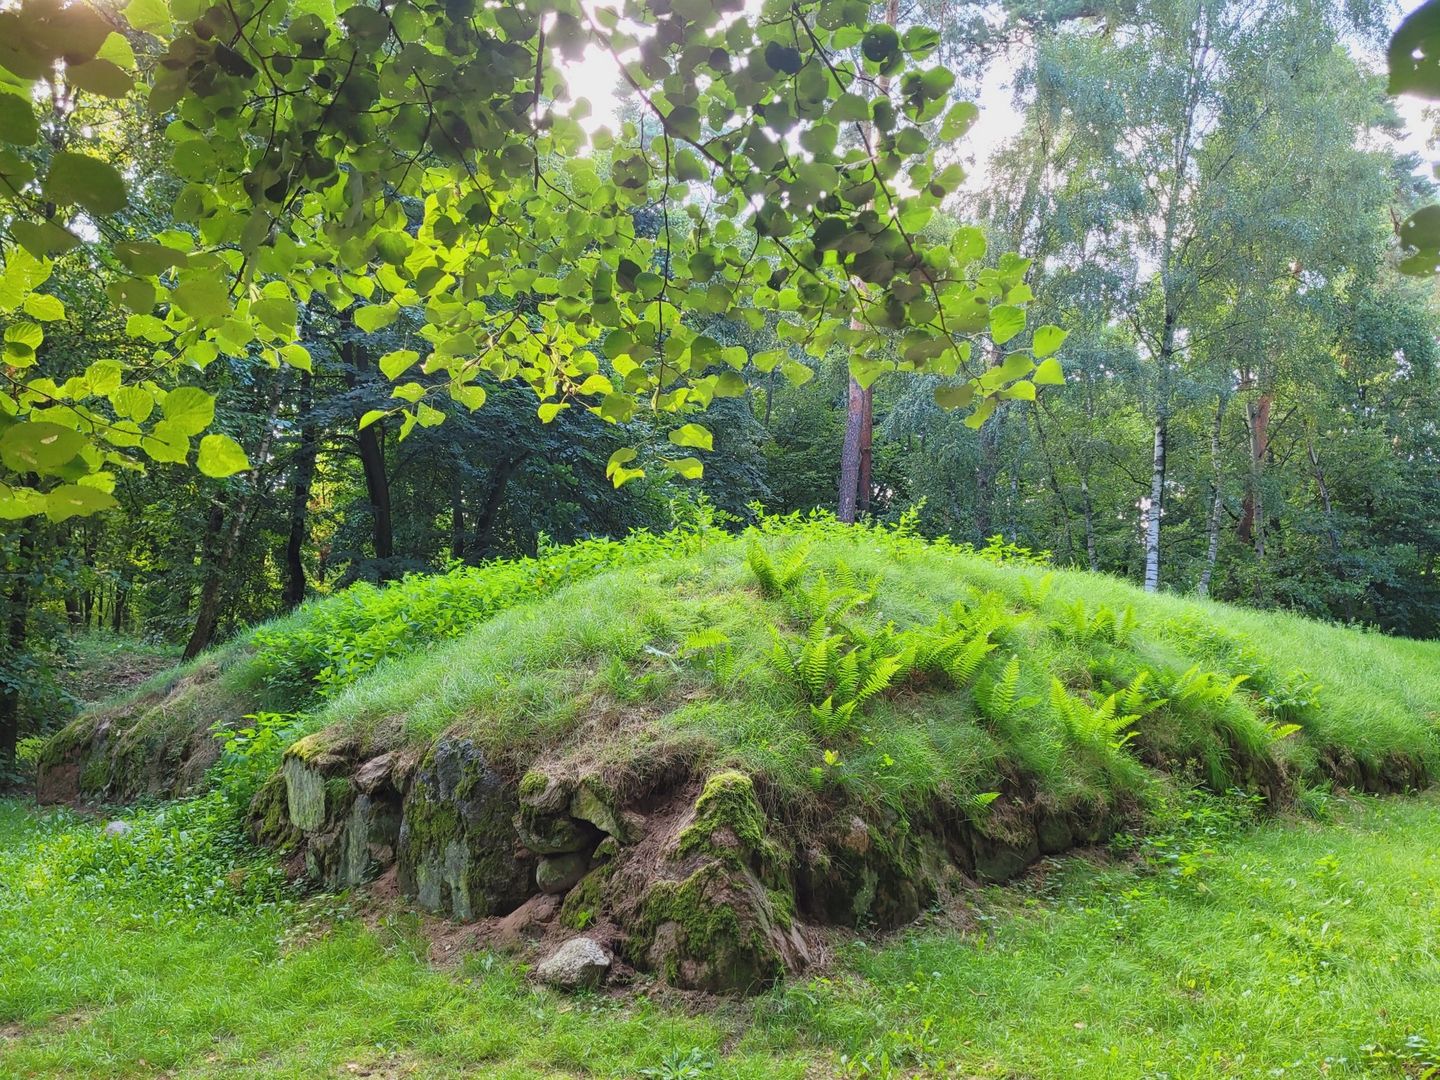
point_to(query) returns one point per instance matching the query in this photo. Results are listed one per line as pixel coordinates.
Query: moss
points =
(730, 825)
(269, 815)
(95, 776)
(706, 934)
(584, 902)
(339, 797)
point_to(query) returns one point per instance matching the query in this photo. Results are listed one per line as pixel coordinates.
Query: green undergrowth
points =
(829, 662)
(1211, 947)
(867, 664)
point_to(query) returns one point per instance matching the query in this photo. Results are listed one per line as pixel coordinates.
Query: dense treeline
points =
(1207, 193)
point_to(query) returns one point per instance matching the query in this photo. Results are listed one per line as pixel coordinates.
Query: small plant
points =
(999, 698)
(251, 753)
(681, 1065)
(712, 649)
(835, 675)
(1102, 626)
(1103, 724)
(775, 580)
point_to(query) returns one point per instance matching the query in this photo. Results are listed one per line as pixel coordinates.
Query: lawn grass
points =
(1290, 948)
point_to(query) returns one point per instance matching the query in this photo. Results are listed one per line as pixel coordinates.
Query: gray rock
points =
(457, 851)
(587, 804)
(580, 963)
(547, 835)
(560, 873)
(305, 793)
(375, 773)
(117, 828)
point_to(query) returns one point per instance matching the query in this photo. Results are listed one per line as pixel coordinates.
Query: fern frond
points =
(879, 677)
(962, 667)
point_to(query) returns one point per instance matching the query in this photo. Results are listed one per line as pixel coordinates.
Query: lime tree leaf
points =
(396, 363)
(78, 179)
(687, 468)
(374, 317)
(43, 307)
(471, 395)
(954, 397)
(16, 503)
(1006, 321)
(17, 120)
(370, 417)
(38, 446)
(220, 456)
(297, 356)
(1049, 373)
(99, 77)
(148, 15)
(615, 468)
(204, 299)
(693, 435)
(189, 409)
(550, 410)
(1047, 340)
(143, 257)
(166, 443)
(73, 500)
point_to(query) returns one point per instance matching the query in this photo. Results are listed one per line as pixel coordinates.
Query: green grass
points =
(1287, 949)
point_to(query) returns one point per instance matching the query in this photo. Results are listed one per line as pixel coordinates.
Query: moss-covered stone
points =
(557, 874)
(554, 834)
(458, 851)
(305, 794)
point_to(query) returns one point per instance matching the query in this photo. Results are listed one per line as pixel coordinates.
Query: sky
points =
(596, 77)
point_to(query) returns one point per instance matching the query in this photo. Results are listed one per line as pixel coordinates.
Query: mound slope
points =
(699, 749)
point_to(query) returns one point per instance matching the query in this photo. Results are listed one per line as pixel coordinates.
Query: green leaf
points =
(149, 15)
(471, 395)
(204, 299)
(693, 435)
(615, 468)
(38, 446)
(374, 317)
(550, 410)
(221, 455)
(1049, 373)
(396, 363)
(43, 307)
(99, 77)
(144, 258)
(78, 179)
(77, 500)
(1006, 321)
(954, 397)
(17, 120)
(688, 467)
(190, 409)
(297, 356)
(370, 417)
(1047, 339)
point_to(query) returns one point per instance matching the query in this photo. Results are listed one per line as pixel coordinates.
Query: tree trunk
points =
(208, 609)
(1089, 510)
(457, 514)
(372, 462)
(494, 499)
(855, 463)
(847, 505)
(1252, 514)
(17, 624)
(305, 459)
(1217, 502)
(1157, 505)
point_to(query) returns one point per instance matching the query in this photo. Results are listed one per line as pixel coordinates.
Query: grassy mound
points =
(707, 745)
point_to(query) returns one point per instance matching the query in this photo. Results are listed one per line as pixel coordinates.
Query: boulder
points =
(580, 964)
(547, 834)
(558, 874)
(458, 851)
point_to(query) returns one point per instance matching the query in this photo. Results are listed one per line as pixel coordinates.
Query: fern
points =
(775, 581)
(1102, 724)
(1036, 590)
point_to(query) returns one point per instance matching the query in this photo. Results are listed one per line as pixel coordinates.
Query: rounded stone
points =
(560, 873)
(580, 963)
